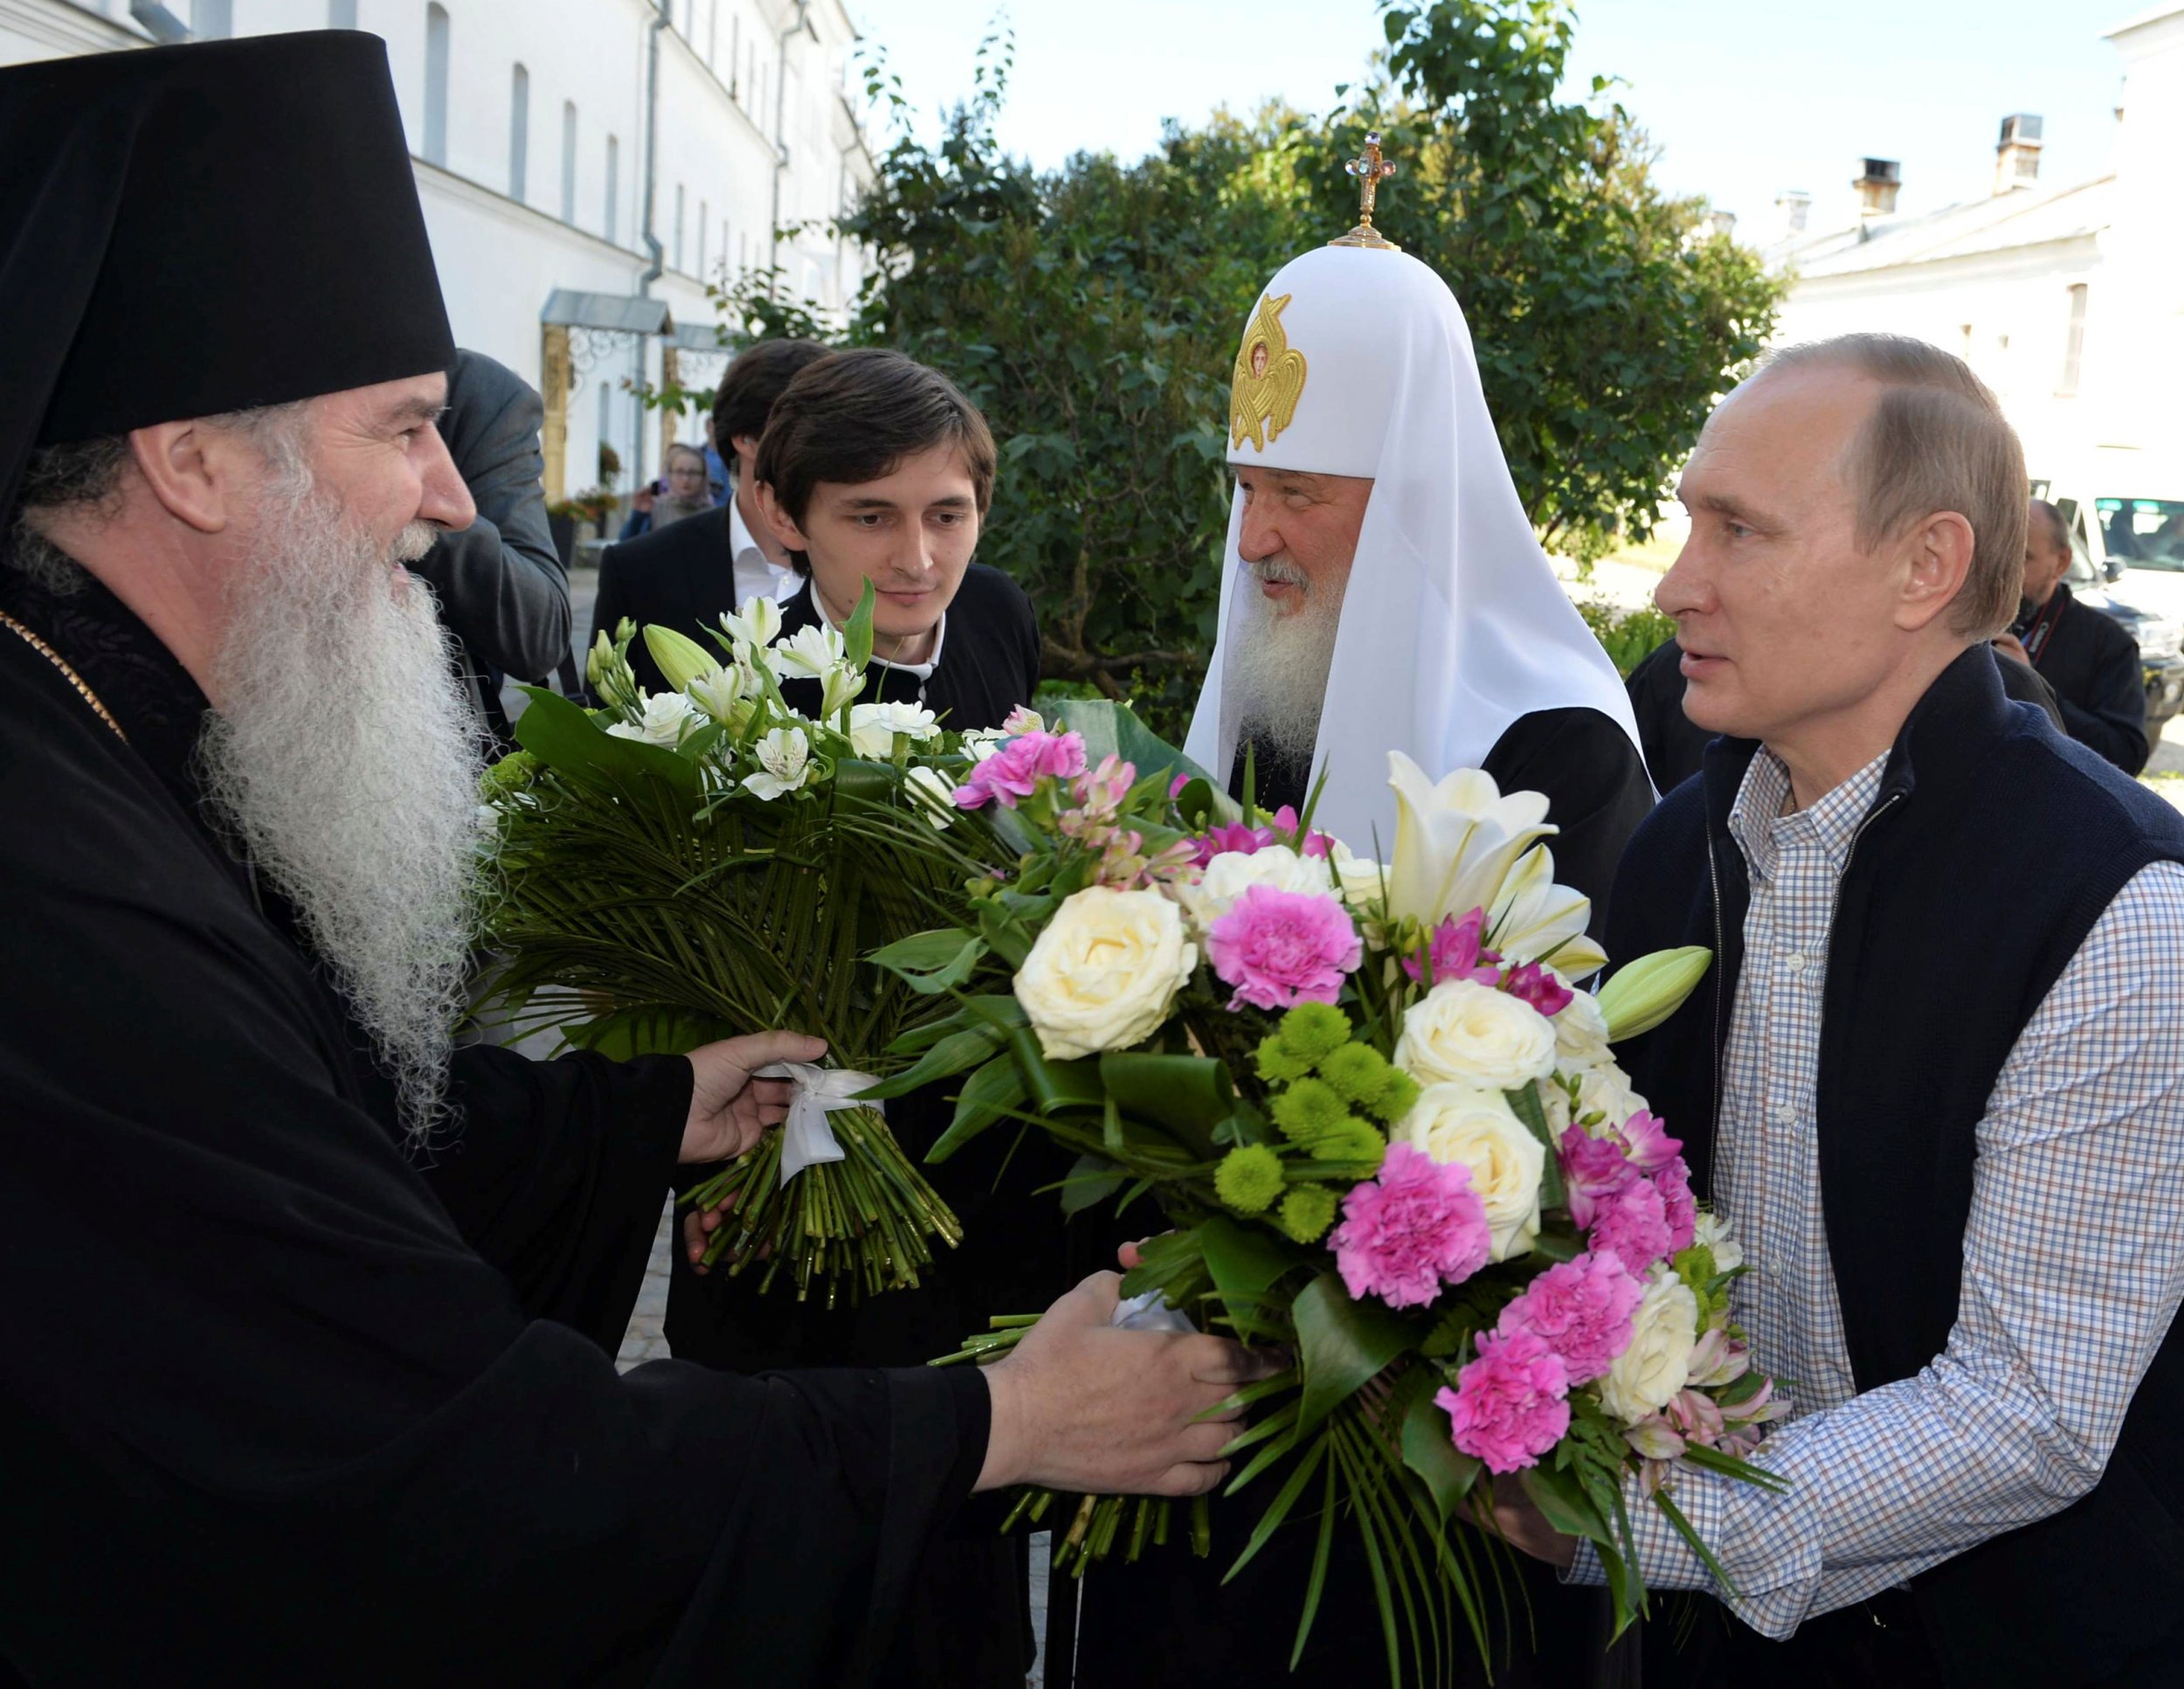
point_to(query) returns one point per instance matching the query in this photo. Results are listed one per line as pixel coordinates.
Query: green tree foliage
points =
(1092, 311)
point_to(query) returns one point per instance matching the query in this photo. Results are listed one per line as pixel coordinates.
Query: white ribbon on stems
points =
(1150, 1312)
(805, 1137)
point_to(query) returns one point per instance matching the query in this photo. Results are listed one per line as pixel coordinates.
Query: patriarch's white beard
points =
(346, 758)
(1277, 664)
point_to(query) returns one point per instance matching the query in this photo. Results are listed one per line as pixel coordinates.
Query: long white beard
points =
(347, 760)
(1277, 664)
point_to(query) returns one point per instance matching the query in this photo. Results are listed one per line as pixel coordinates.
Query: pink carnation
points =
(1282, 948)
(1677, 1207)
(1535, 984)
(1013, 772)
(1581, 1310)
(1647, 1142)
(1593, 1169)
(1418, 1226)
(1511, 1405)
(1235, 838)
(1455, 953)
(1634, 1225)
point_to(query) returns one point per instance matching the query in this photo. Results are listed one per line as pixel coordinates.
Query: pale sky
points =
(1745, 97)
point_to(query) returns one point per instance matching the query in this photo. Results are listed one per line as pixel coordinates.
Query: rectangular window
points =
(436, 85)
(678, 225)
(2074, 340)
(569, 161)
(712, 31)
(704, 224)
(613, 187)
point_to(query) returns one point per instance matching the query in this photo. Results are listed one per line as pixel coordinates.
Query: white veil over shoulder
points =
(1452, 624)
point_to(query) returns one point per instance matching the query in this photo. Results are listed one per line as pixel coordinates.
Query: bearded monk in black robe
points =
(306, 1378)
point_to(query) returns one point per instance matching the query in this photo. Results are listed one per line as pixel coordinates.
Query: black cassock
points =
(968, 1625)
(277, 1408)
(1169, 1620)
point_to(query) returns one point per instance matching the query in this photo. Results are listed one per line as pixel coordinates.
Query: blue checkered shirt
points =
(2073, 1254)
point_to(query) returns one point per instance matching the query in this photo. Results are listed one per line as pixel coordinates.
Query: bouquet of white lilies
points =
(677, 867)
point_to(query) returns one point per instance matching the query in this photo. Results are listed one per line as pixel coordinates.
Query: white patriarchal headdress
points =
(1356, 361)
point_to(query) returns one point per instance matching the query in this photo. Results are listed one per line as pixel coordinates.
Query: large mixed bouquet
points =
(1386, 1132)
(674, 868)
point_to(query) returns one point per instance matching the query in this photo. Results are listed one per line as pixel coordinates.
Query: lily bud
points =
(1645, 993)
(681, 658)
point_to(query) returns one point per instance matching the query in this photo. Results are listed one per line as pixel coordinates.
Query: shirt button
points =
(1795, 961)
(1785, 1115)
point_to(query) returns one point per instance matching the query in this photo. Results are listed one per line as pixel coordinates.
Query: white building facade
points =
(587, 168)
(2066, 298)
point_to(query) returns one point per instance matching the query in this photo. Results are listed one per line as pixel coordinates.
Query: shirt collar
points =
(739, 539)
(1762, 831)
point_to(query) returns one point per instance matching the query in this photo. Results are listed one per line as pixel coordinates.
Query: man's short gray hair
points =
(1937, 440)
(2057, 531)
(83, 477)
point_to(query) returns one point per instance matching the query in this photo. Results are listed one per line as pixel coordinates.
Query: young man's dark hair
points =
(855, 416)
(756, 376)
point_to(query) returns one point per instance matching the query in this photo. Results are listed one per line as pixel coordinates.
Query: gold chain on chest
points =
(67, 673)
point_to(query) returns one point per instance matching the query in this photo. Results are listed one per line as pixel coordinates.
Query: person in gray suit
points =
(501, 589)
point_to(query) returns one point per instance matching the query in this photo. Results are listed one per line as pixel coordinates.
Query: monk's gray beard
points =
(1277, 664)
(347, 760)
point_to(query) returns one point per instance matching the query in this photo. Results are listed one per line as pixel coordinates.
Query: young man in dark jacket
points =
(1933, 1081)
(2089, 659)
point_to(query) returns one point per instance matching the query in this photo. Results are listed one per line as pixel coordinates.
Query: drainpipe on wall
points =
(653, 250)
(780, 147)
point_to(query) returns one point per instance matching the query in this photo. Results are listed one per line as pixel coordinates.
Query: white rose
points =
(873, 727)
(1105, 972)
(932, 795)
(1647, 1375)
(1463, 1032)
(1362, 881)
(1606, 1090)
(667, 717)
(1581, 1033)
(1234, 872)
(1457, 1124)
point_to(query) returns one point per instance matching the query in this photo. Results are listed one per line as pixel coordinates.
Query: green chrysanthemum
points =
(1248, 1179)
(1312, 1032)
(1308, 1111)
(1307, 1212)
(1359, 1073)
(1276, 1066)
(1351, 1140)
(1398, 1099)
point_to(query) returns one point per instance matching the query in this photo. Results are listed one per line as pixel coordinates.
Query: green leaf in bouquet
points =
(930, 963)
(1188, 1094)
(1321, 1551)
(1343, 1344)
(1056, 1086)
(954, 1054)
(627, 1034)
(1558, 1243)
(1278, 1509)
(1555, 1490)
(1173, 1264)
(1446, 1471)
(861, 779)
(857, 630)
(1729, 1466)
(1524, 1104)
(1003, 937)
(563, 737)
(1090, 1179)
(988, 1097)
(1199, 804)
(1111, 729)
(1244, 1261)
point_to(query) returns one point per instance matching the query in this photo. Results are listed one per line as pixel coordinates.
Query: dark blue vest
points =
(1993, 848)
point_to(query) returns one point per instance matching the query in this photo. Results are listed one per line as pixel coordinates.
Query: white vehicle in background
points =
(2127, 560)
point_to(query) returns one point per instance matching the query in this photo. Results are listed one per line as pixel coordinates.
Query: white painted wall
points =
(501, 257)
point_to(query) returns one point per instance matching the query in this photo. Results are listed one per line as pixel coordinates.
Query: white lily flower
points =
(667, 717)
(932, 794)
(757, 624)
(784, 763)
(837, 687)
(1455, 841)
(724, 693)
(810, 653)
(873, 727)
(1535, 916)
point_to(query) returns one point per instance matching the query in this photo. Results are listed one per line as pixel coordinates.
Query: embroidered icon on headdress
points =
(1269, 379)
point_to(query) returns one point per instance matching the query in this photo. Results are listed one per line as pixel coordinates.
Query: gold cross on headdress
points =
(1370, 170)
